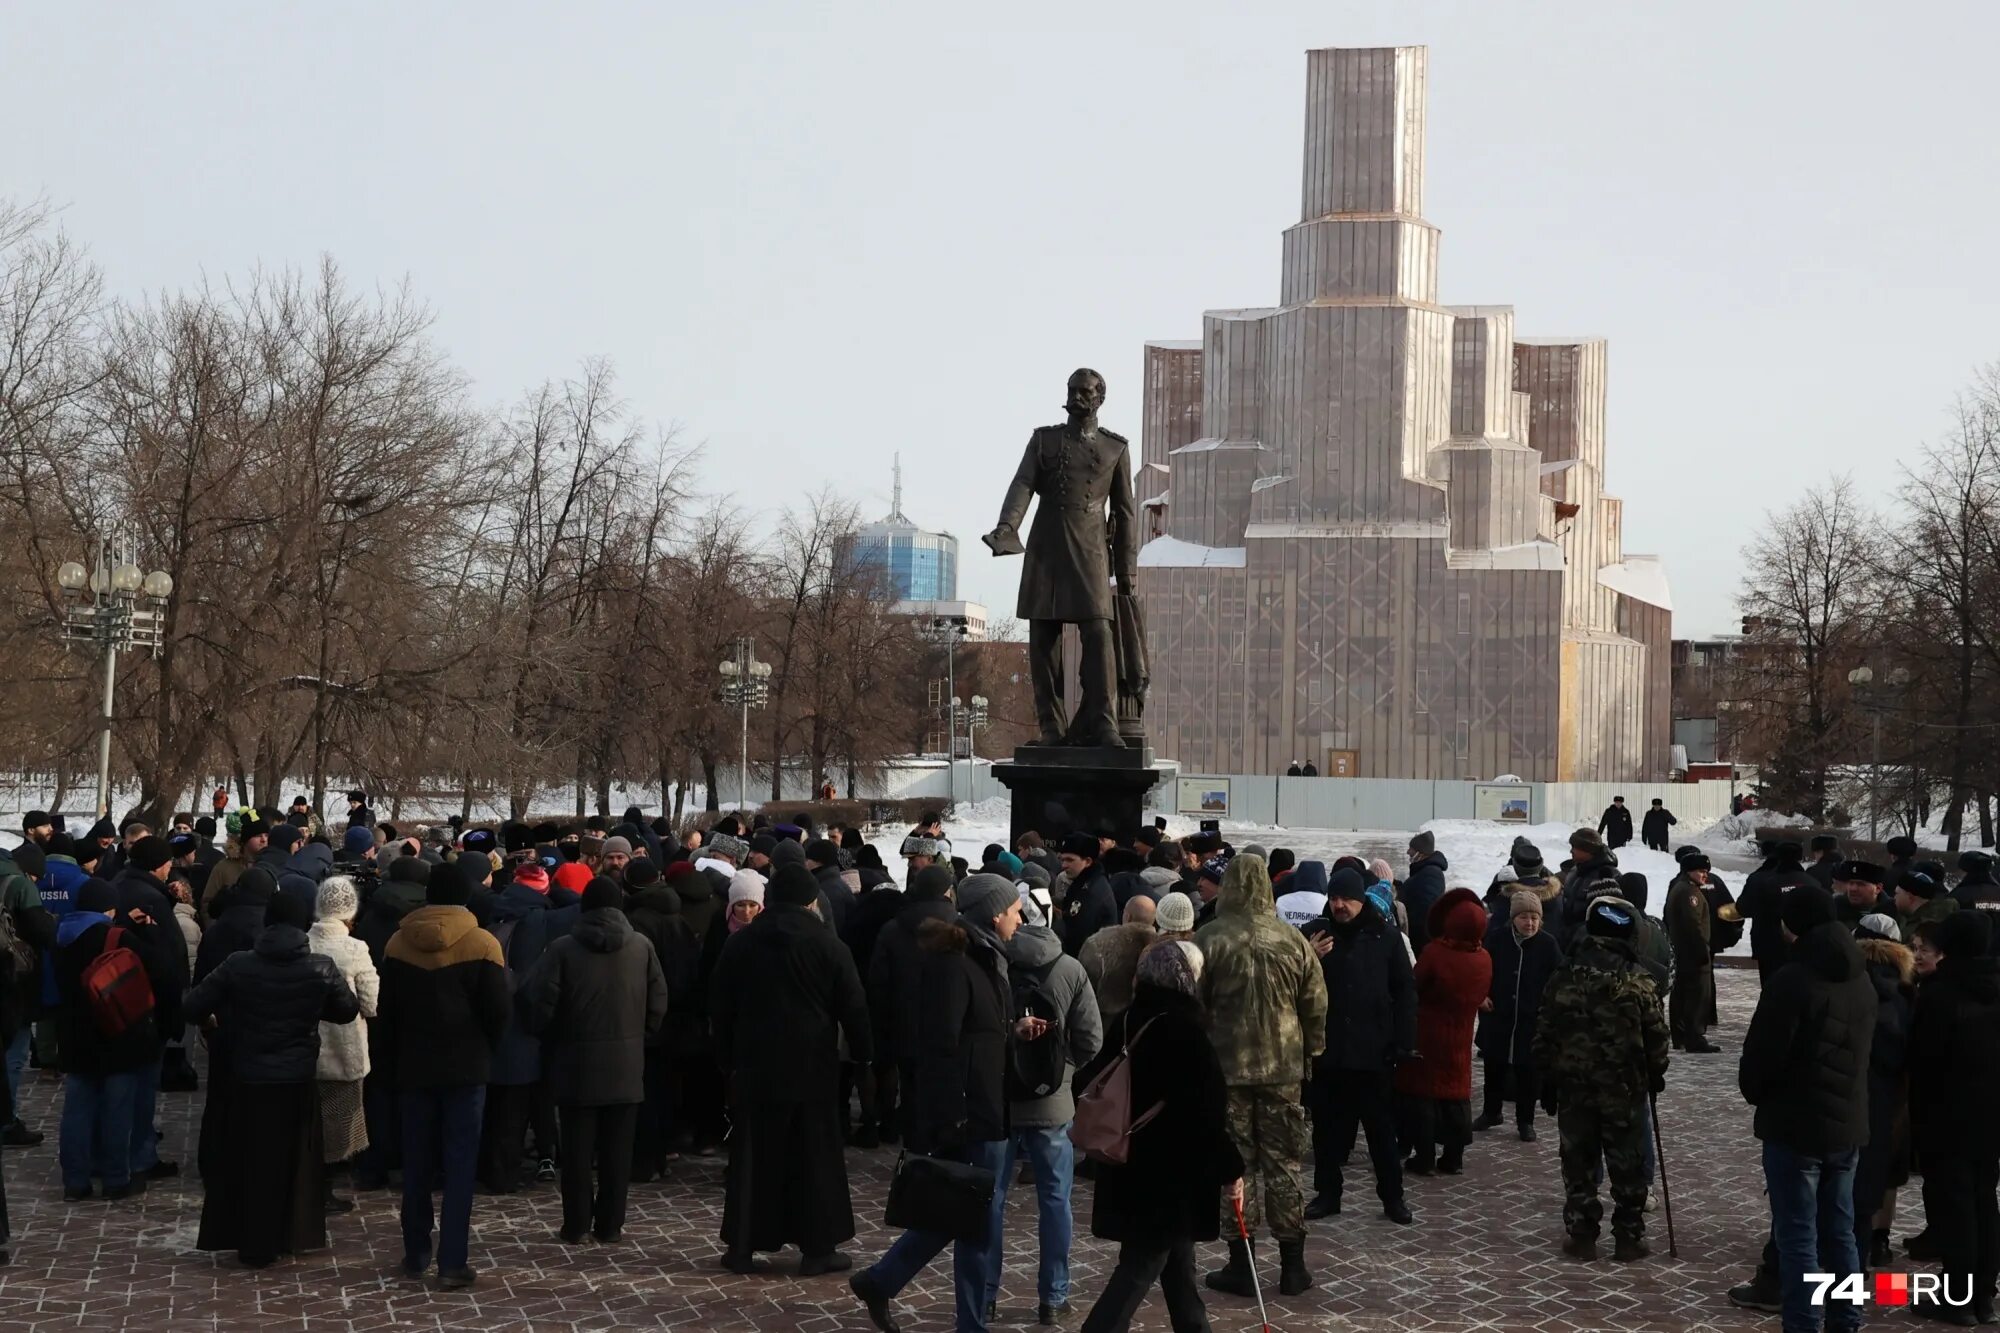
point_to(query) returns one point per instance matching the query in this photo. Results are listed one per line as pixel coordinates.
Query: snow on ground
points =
(1734, 835)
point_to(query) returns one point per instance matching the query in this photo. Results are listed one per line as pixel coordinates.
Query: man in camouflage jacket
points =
(1601, 1045)
(1265, 997)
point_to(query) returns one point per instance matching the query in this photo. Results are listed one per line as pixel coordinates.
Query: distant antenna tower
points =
(896, 495)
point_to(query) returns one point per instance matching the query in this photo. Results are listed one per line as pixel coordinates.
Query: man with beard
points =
(1371, 1023)
(785, 993)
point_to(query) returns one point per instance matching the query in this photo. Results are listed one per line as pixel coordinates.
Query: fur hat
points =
(1900, 846)
(1917, 884)
(1859, 872)
(150, 852)
(1804, 908)
(728, 847)
(1081, 844)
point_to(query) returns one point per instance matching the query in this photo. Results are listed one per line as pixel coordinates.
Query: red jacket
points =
(1454, 974)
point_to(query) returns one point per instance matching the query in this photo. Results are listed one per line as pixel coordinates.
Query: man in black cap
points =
(1977, 887)
(358, 813)
(1805, 1068)
(38, 827)
(1826, 860)
(785, 994)
(1615, 824)
(1089, 903)
(1902, 851)
(1653, 829)
(1857, 891)
(1688, 921)
(1763, 895)
(1920, 897)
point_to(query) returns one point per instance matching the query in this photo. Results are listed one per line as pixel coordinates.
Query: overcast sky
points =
(816, 234)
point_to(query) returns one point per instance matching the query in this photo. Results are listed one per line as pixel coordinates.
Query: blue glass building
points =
(920, 566)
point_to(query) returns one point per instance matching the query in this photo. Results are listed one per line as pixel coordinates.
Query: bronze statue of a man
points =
(1072, 554)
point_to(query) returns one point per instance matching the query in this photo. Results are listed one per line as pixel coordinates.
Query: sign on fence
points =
(1203, 796)
(1503, 802)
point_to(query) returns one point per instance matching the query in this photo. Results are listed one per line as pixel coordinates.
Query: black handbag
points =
(938, 1195)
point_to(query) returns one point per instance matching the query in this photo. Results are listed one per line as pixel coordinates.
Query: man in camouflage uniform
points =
(1601, 1044)
(1266, 1002)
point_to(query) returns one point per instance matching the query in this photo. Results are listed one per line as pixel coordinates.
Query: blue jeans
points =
(971, 1267)
(437, 1119)
(145, 1104)
(1812, 1221)
(96, 1133)
(1054, 1160)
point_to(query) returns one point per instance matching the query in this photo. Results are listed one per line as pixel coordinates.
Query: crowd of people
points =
(460, 1009)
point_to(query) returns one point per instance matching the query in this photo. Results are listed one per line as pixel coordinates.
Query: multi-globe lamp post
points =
(972, 717)
(746, 684)
(116, 607)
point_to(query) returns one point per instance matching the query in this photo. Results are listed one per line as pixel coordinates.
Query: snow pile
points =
(1737, 833)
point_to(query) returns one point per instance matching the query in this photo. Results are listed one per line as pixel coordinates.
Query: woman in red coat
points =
(1454, 974)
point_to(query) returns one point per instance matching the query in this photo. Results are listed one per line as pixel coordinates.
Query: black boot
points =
(1236, 1278)
(1293, 1279)
(1323, 1205)
(1982, 1308)
(1879, 1253)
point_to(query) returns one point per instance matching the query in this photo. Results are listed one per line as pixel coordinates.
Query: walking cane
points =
(1243, 1230)
(1660, 1156)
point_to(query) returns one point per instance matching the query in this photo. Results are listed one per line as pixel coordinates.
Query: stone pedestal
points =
(1060, 789)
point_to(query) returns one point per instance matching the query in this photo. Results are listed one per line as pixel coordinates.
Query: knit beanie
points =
(1525, 903)
(287, 836)
(1611, 920)
(1632, 887)
(288, 909)
(930, 884)
(789, 853)
(984, 897)
(447, 888)
(94, 895)
(746, 886)
(1347, 883)
(1804, 908)
(641, 873)
(1526, 858)
(357, 841)
(150, 853)
(823, 850)
(792, 885)
(1175, 914)
(1965, 935)
(337, 899)
(30, 859)
(532, 875)
(1281, 860)
(601, 893)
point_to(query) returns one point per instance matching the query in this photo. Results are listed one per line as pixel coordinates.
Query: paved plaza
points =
(1483, 1254)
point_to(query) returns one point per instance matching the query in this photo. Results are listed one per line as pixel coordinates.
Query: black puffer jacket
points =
(1805, 1057)
(400, 893)
(963, 1019)
(873, 910)
(655, 912)
(1955, 1062)
(1763, 894)
(1089, 906)
(271, 999)
(595, 998)
(1371, 993)
(1420, 893)
(238, 923)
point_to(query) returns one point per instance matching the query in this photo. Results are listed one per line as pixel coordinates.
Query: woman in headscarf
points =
(265, 1197)
(1166, 1196)
(343, 1047)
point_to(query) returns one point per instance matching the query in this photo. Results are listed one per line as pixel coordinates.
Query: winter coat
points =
(1601, 1042)
(1936, 909)
(785, 993)
(1127, 885)
(307, 867)
(343, 1047)
(222, 876)
(34, 926)
(1110, 959)
(1500, 899)
(1763, 893)
(1805, 1058)
(1420, 893)
(595, 997)
(526, 923)
(1088, 907)
(1657, 821)
(1978, 889)
(237, 923)
(874, 908)
(704, 897)
(1454, 976)
(80, 1046)
(1954, 1059)
(1892, 972)
(834, 896)
(1170, 1186)
(190, 924)
(140, 892)
(1303, 899)
(1260, 984)
(400, 893)
(895, 972)
(444, 1002)
(964, 1019)
(1822, 870)
(1035, 958)
(1616, 825)
(1849, 915)
(1371, 994)
(655, 912)
(1688, 921)
(271, 998)
(1521, 972)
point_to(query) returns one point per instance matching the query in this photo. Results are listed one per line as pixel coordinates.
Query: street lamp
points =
(746, 684)
(949, 630)
(1862, 678)
(113, 606)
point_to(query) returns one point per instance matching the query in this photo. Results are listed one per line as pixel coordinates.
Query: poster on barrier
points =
(1202, 796)
(1503, 802)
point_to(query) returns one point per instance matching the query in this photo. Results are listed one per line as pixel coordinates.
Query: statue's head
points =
(1086, 392)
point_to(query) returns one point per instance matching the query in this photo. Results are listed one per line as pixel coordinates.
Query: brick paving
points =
(1483, 1254)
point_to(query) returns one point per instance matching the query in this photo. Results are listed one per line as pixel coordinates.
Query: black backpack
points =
(1035, 1069)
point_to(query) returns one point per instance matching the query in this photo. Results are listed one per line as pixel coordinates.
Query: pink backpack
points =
(1104, 1123)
